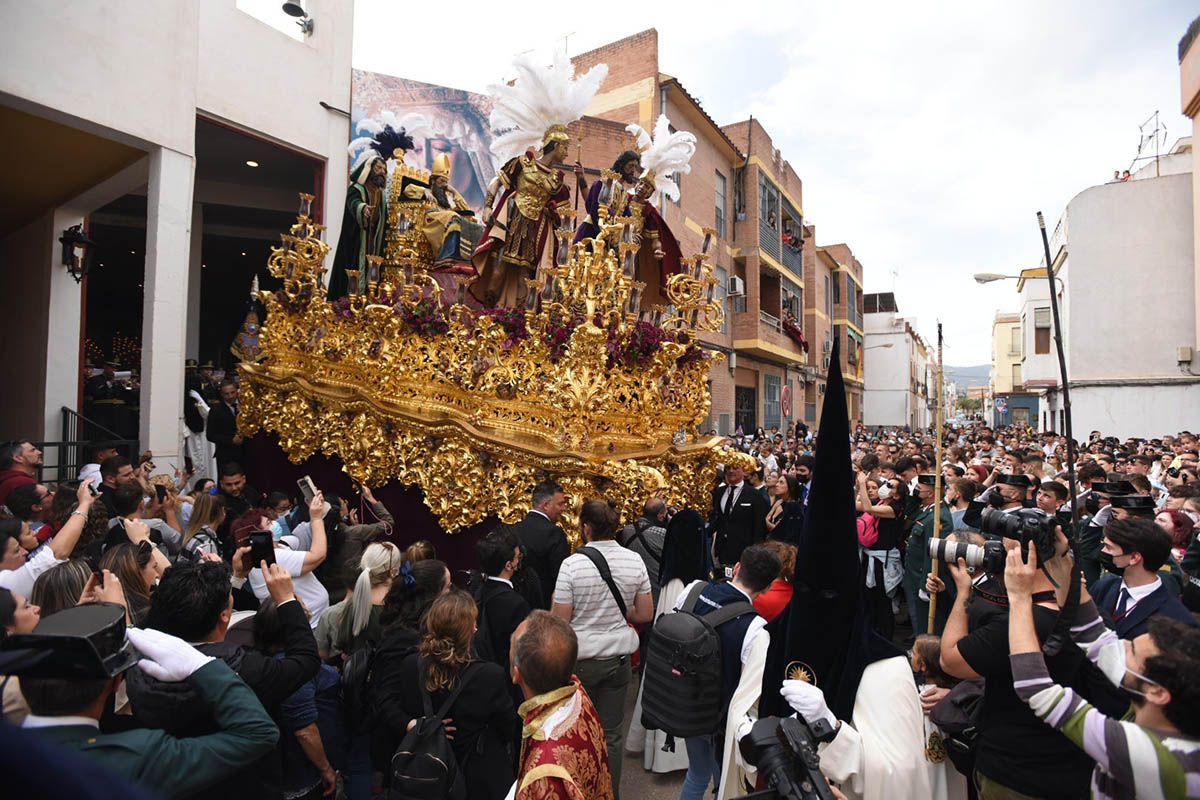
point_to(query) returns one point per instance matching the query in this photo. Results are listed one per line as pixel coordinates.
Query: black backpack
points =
(424, 766)
(681, 691)
(959, 716)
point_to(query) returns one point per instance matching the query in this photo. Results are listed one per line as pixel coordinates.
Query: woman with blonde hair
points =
(485, 722)
(359, 625)
(61, 586)
(208, 512)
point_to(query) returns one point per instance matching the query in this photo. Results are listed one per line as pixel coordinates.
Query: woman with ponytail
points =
(484, 720)
(359, 625)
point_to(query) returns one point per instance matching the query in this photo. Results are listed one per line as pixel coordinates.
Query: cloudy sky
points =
(927, 135)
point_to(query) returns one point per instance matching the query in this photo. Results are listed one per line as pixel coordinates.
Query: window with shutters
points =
(771, 400)
(720, 203)
(1041, 331)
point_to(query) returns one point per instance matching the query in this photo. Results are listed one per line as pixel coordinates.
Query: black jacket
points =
(191, 414)
(178, 709)
(746, 524)
(501, 610)
(389, 721)
(488, 728)
(545, 547)
(1107, 593)
(222, 427)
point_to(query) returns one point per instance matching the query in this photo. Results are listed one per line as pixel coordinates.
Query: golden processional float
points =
(403, 381)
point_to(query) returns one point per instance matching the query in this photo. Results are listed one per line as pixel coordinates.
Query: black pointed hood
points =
(825, 630)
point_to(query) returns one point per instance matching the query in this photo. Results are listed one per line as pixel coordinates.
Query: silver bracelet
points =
(78, 513)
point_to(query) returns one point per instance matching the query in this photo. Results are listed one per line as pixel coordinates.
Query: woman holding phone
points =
(299, 563)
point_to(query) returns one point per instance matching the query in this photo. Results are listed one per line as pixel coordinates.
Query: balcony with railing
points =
(768, 237)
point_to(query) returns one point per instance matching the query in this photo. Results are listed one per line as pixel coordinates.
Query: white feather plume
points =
(540, 97)
(668, 154)
(642, 138)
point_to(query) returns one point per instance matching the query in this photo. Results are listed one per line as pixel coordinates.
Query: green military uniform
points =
(917, 563)
(176, 767)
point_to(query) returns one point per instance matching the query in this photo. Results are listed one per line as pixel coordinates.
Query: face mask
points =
(803, 478)
(885, 492)
(1106, 561)
(279, 529)
(1140, 677)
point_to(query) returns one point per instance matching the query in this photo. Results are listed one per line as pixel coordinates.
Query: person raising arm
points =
(1154, 755)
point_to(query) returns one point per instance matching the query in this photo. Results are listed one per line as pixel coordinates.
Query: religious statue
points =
(627, 168)
(525, 199)
(245, 345)
(364, 220)
(450, 226)
(668, 153)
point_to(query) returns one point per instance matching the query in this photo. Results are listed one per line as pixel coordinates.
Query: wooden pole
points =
(937, 476)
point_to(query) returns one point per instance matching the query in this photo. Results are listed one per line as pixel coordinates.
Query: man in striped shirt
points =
(1157, 754)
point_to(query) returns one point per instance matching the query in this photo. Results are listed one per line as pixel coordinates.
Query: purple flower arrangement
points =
(557, 335)
(426, 318)
(342, 309)
(513, 323)
(637, 348)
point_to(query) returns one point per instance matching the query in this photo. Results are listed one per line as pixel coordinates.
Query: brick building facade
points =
(766, 257)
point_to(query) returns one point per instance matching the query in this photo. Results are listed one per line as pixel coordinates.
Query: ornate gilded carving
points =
(476, 407)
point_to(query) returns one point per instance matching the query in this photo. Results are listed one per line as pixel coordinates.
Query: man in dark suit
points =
(67, 710)
(501, 608)
(222, 426)
(739, 517)
(1135, 549)
(542, 540)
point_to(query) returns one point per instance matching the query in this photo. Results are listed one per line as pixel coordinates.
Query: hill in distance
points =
(968, 376)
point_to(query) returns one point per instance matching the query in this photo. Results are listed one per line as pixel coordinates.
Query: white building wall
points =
(1035, 294)
(1131, 247)
(140, 73)
(886, 393)
(1126, 248)
(126, 67)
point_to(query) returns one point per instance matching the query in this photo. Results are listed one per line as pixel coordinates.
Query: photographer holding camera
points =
(1155, 755)
(1016, 754)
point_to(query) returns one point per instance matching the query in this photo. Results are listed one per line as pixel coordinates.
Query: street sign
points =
(1002, 404)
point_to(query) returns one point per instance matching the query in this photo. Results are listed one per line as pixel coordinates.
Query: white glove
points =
(1102, 517)
(808, 701)
(165, 657)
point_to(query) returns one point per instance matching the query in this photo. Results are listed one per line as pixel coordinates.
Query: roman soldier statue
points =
(531, 116)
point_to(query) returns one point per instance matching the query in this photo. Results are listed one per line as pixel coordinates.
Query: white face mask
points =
(885, 492)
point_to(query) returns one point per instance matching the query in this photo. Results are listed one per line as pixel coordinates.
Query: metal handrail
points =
(70, 452)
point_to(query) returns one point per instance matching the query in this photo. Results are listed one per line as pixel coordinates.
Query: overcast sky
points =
(927, 135)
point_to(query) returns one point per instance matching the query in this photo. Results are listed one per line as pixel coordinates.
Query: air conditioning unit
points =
(737, 286)
(828, 349)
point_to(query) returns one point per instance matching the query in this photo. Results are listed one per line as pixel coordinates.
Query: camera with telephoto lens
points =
(785, 753)
(989, 555)
(1026, 525)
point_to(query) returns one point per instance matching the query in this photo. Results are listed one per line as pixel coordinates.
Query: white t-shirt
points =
(602, 631)
(20, 581)
(308, 589)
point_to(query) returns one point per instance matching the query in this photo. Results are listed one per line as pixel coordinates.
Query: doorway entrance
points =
(745, 406)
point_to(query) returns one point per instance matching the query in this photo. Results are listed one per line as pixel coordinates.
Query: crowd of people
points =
(227, 642)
